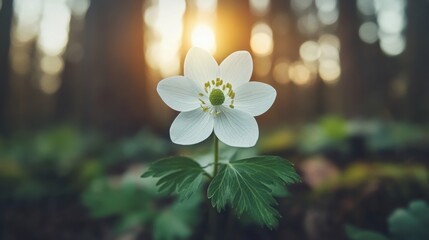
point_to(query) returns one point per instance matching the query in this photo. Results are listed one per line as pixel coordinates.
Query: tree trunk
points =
(113, 84)
(6, 14)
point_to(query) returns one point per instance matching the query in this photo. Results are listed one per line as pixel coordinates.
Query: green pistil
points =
(217, 97)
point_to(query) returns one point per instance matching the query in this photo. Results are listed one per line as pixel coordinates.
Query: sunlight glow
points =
(54, 27)
(206, 5)
(164, 19)
(203, 36)
(27, 14)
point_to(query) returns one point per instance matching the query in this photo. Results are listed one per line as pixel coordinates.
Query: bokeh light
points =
(310, 51)
(366, 7)
(52, 65)
(27, 15)
(49, 84)
(328, 18)
(300, 74)
(165, 21)
(390, 21)
(206, 5)
(300, 5)
(329, 47)
(308, 23)
(281, 71)
(368, 32)
(79, 7)
(392, 45)
(326, 5)
(54, 27)
(261, 40)
(329, 70)
(259, 7)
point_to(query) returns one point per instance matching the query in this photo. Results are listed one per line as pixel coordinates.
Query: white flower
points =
(219, 97)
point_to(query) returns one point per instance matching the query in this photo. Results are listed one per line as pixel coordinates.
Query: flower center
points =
(217, 97)
(218, 92)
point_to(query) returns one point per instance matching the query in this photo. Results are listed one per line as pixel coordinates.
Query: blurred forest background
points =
(80, 117)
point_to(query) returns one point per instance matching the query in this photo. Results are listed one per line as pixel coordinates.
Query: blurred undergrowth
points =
(377, 162)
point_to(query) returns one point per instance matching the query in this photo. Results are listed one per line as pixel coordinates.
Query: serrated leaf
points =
(246, 184)
(354, 233)
(180, 175)
(411, 223)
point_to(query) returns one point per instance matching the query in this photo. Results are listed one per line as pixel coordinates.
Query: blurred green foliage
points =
(334, 133)
(404, 224)
(63, 162)
(64, 159)
(135, 203)
(361, 174)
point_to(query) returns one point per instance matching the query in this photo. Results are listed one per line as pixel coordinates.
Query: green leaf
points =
(180, 175)
(247, 184)
(354, 233)
(411, 223)
(177, 221)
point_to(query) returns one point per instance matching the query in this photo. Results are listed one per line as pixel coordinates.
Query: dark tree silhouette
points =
(6, 13)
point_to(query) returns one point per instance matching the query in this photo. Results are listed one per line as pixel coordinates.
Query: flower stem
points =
(216, 156)
(212, 211)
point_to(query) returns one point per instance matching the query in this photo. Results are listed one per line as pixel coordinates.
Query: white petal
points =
(237, 68)
(179, 93)
(236, 128)
(191, 127)
(254, 98)
(200, 66)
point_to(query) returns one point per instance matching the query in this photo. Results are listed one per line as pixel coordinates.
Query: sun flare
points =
(203, 36)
